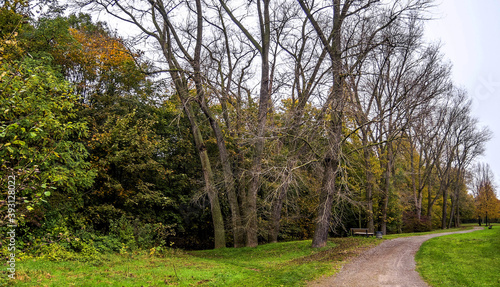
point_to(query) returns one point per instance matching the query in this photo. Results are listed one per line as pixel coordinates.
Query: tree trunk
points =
(419, 204)
(417, 194)
(334, 107)
(214, 124)
(452, 212)
(429, 204)
(264, 100)
(257, 162)
(457, 214)
(320, 236)
(218, 222)
(276, 212)
(445, 206)
(238, 231)
(369, 184)
(387, 189)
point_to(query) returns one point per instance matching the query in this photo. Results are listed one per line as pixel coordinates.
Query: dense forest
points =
(230, 123)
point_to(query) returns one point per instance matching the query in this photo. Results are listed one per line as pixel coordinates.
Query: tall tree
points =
(484, 190)
(262, 45)
(332, 38)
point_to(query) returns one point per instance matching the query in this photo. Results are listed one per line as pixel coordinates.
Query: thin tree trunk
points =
(276, 212)
(416, 194)
(325, 202)
(238, 231)
(217, 219)
(452, 211)
(445, 207)
(457, 214)
(252, 240)
(429, 204)
(387, 189)
(369, 184)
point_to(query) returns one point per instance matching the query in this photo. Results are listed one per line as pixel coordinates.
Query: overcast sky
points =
(470, 33)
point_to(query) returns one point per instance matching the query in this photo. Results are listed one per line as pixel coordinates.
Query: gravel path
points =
(392, 263)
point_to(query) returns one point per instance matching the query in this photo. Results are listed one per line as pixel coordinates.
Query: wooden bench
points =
(361, 231)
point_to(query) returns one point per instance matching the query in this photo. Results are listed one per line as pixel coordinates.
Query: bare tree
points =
(261, 41)
(336, 13)
(466, 143)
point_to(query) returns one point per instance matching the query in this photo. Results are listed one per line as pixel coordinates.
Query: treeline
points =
(252, 122)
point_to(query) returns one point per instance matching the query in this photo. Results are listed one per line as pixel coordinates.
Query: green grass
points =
(280, 264)
(470, 259)
(392, 236)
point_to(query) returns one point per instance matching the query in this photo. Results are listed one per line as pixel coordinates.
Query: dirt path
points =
(392, 263)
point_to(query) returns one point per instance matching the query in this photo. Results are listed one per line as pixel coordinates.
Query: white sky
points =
(470, 33)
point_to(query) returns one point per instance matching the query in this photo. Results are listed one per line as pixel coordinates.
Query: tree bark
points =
(368, 183)
(217, 219)
(445, 206)
(238, 230)
(328, 189)
(276, 211)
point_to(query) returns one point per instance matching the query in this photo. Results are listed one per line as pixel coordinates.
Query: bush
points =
(107, 244)
(123, 231)
(55, 252)
(411, 223)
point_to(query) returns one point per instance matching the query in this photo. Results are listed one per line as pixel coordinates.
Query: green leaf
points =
(19, 142)
(47, 193)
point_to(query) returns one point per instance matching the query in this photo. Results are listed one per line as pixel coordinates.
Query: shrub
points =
(411, 223)
(55, 252)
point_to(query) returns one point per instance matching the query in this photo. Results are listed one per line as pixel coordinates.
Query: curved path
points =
(392, 263)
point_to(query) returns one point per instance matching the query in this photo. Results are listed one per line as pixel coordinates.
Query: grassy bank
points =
(280, 264)
(470, 259)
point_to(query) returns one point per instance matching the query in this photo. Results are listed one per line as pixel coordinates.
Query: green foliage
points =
(40, 134)
(55, 252)
(142, 163)
(12, 24)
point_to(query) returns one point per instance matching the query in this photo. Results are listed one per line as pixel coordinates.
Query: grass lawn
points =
(464, 227)
(470, 259)
(280, 264)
